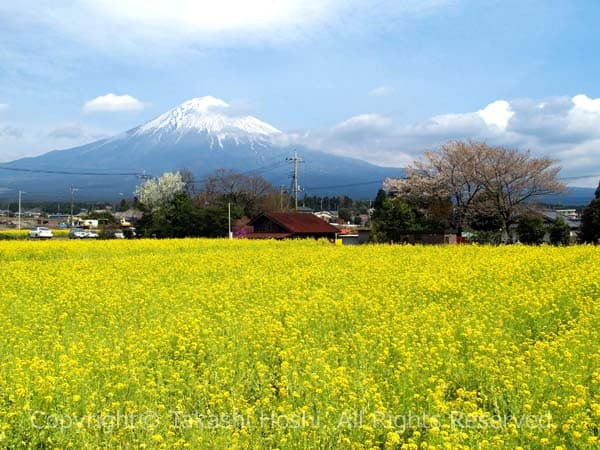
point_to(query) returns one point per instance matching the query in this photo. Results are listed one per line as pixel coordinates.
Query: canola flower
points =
(23, 233)
(238, 344)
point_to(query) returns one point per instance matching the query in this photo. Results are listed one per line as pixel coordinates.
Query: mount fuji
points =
(202, 135)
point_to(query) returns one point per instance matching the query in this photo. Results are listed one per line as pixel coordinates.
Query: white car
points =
(40, 233)
(80, 233)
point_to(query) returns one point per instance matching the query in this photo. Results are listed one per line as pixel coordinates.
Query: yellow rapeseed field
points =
(24, 233)
(237, 344)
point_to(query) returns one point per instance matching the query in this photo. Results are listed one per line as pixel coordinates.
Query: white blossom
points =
(154, 193)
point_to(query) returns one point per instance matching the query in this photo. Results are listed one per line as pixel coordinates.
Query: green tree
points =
(487, 226)
(123, 205)
(180, 217)
(379, 202)
(590, 220)
(345, 214)
(531, 230)
(560, 232)
(392, 218)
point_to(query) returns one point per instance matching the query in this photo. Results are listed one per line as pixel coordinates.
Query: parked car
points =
(40, 233)
(77, 233)
(80, 233)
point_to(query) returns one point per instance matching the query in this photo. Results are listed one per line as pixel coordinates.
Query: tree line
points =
(175, 205)
(470, 186)
(463, 186)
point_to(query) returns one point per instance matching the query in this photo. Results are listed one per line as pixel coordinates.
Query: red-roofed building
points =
(276, 225)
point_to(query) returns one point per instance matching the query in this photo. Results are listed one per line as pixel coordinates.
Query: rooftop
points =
(296, 222)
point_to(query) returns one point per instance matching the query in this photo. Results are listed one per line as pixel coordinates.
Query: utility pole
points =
(281, 191)
(72, 189)
(295, 187)
(19, 220)
(229, 234)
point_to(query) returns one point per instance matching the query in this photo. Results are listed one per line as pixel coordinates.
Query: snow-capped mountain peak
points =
(208, 115)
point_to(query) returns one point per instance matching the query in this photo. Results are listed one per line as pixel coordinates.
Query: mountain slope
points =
(200, 135)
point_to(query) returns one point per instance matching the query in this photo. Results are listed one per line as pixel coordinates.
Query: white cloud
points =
(381, 91)
(8, 131)
(126, 26)
(18, 143)
(567, 129)
(210, 16)
(497, 114)
(70, 131)
(112, 102)
(585, 104)
(364, 122)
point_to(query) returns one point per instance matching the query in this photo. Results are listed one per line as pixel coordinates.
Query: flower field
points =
(245, 344)
(24, 234)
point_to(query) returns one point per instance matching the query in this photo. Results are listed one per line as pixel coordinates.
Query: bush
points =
(488, 237)
(531, 230)
(590, 222)
(108, 231)
(560, 232)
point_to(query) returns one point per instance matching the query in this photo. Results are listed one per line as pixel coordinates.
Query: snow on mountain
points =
(202, 135)
(207, 115)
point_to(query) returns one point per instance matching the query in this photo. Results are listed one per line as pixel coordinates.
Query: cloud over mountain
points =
(10, 131)
(566, 128)
(111, 103)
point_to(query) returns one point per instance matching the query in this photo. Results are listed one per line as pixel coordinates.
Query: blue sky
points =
(379, 80)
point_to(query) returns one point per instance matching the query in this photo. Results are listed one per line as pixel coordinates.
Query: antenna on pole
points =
(72, 189)
(20, 194)
(295, 187)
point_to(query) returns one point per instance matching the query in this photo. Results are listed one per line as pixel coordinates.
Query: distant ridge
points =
(201, 134)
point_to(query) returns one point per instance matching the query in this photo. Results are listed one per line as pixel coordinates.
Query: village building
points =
(289, 225)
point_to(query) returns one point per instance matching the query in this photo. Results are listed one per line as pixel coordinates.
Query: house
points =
(290, 225)
(571, 214)
(327, 216)
(571, 218)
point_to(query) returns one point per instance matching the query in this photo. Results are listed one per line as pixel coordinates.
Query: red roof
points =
(267, 235)
(299, 222)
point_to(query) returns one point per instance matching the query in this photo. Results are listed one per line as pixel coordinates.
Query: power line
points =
(343, 185)
(264, 169)
(257, 171)
(312, 188)
(65, 172)
(579, 177)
